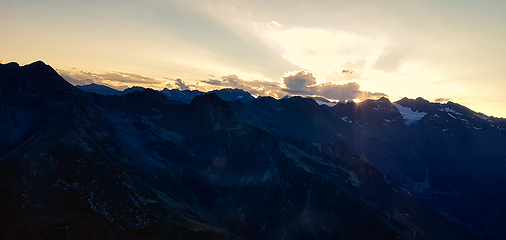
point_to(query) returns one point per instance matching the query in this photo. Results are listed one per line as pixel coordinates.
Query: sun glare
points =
(328, 52)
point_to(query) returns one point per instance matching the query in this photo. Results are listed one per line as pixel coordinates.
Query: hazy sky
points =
(443, 50)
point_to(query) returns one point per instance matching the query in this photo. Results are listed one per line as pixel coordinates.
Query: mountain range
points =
(82, 162)
(185, 96)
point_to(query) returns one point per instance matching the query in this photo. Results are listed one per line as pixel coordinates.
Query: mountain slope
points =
(452, 157)
(449, 155)
(141, 166)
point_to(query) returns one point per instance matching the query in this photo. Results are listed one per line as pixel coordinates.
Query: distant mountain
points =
(99, 89)
(185, 96)
(226, 94)
(188, 165)
(231, 95)
(105, 90)
(132, 89)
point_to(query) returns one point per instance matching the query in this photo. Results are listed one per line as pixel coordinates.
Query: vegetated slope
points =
(83, 165)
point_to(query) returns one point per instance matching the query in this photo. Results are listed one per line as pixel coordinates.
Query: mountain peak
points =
(35, 79)
(133, 89)
(234, 94)
(10, 64)
(37, 63)
(211, 98)
(39, 67)
(99, 89)
(384, 100)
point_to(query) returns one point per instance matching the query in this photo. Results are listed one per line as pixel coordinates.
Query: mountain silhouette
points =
(143, 165)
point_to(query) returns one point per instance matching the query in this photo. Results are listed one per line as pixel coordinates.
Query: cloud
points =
(76, 77)
(298, 81)
(352, 74)
(359, 64)
(178, 83)
(442, 100)
(343, 91)
(255, 87)
(75, 81)
(326, 51)
(114, 79)
(182, 85)
(350, 71)
(392, 58)
(304, 83)
(295, 82)
(125, 77)
(273, 25)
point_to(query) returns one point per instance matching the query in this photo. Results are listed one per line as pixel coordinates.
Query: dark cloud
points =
(442, 100)
(350, 71)
(232, 81)
(215, 82)
(182, 85)
(304, 83)
(347, 74)
(299, 82)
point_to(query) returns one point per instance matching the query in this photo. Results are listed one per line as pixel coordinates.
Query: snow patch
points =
(267, 175)
(450, 110)
(330, 104)
(409, 115)
(353, 178)
(345, 118)
(482, 117)
(449, 114)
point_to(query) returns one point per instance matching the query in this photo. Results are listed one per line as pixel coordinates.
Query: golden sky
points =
(451, 50)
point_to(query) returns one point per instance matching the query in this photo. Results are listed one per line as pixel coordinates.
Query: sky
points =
(439, 50)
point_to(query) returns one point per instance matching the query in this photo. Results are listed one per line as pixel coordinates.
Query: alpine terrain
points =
(97, 163)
